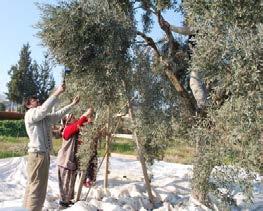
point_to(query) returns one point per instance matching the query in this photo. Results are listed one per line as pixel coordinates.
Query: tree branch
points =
(135, 1)
(139, 7)
(165, 26)
(149, 42)
(169, 68)
(184, 30)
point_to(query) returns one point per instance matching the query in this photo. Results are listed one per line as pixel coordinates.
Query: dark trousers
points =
(66, 180)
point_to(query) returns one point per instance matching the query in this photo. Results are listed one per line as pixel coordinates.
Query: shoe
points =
(63, 204)
(71, 202)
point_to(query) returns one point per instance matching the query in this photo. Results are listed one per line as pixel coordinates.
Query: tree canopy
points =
(21, 83)
(112, 62)
(91, 38)
(28, 78)
(231, 132)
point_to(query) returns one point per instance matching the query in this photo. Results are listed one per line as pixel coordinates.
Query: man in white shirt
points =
(38, 122)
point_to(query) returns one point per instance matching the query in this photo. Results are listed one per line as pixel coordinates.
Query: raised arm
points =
(40, 112)
(73, 128)
(56, 116)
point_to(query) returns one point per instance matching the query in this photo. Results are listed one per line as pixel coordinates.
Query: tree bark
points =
(190, 102)
(182, 30)
(187, 100)
(198, 89)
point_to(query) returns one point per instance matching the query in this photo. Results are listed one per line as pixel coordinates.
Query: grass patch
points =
(13, 146)
(9, 154)
(123, 146)
(178, 152)
(17, 146)
(9, 139)
(118, 145)
(57, 145)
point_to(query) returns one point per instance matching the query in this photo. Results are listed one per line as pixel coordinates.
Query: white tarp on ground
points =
(126, 191)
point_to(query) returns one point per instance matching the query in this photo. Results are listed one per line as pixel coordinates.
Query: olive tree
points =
(228, 55)
(92, 39)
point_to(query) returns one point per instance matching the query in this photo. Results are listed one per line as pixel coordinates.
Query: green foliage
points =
(167, 4)
(27, 78)
(154, 104)
(21, 83)
(92, 38)
(14, 128)
(2, 107)
(43, 78)
(230, 136)
(90, 136)
(231, 133)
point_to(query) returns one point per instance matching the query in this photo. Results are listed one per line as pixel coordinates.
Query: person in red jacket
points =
(67, 160)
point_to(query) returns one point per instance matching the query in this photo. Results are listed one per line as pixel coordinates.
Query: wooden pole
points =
(80, 185)
(107, 151)
(141, 157)
(6, 115)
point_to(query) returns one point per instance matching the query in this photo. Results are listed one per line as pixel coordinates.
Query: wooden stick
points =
(96, 174)
(107, 151)
(82, 178)
(141, 157)
(6, 115)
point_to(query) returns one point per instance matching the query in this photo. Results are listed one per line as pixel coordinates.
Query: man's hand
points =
(75, 100)
(61, 88)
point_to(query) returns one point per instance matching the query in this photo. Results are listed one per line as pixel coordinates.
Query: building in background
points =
(9, 106)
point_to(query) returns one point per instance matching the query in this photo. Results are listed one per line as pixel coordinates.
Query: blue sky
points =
(17, 18)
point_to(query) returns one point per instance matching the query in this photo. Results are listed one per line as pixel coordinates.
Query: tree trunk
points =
(201, 174)
(198, 89)
(261, 156)
(188, 102)
(200, 190)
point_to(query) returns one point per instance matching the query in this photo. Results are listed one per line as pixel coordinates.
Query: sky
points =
(17, 18)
